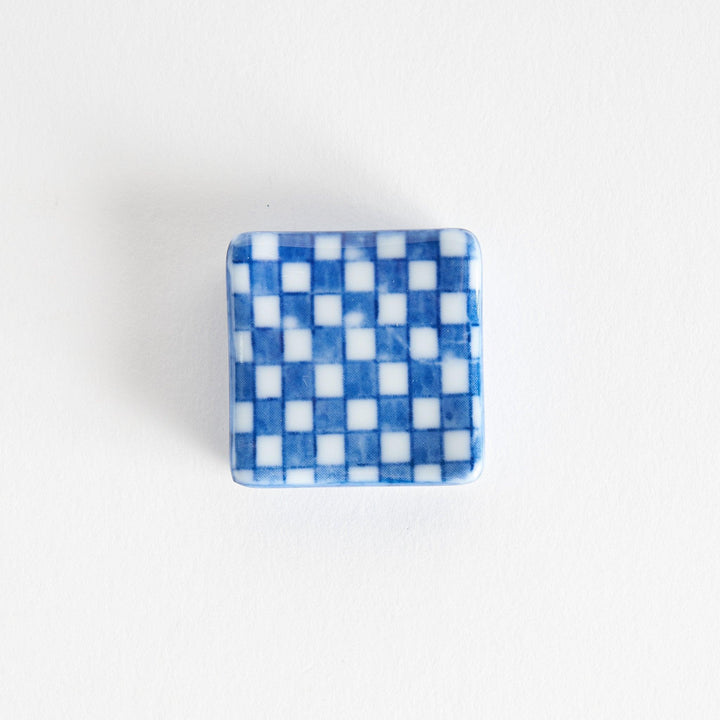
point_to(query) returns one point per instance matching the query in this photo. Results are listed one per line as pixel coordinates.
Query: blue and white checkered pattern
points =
(355, 358)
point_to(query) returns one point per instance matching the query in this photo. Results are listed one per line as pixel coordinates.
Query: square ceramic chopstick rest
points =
(355, 358)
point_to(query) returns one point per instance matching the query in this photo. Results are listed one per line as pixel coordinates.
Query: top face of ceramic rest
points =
(355, 358)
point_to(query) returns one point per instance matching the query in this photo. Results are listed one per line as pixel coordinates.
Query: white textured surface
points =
(330, 449)
(268, 450)
(268, 381)
(266, 311)
(395, 447)
(299, 416)
(456, 445)
(422, 275)
(359, 276)
(360, 344)
(579, 578)
(328, 246)
(329, 380)
(361, 414)
(426, 413)
(295, 277)
(328, 310)
(423, 343)
(392, 309)
(454, 376)
(297, 345)
(393, 378)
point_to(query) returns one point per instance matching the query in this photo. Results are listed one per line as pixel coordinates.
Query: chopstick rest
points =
(355, 358)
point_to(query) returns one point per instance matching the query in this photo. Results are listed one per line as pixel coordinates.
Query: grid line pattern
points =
(355, 358)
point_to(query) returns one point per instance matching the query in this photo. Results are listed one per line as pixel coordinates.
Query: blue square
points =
(327, 276)
(299, 450)
(296, 310)
(422, 245)
(244, 451)
(359, 246)
(295, 247)
(267, 346)
(424, 379)
(329, 415)
(393, 413)
(473, 309)
(328, 344)
(330, 475)
(361, 380)
(391, 342)
(475, 382)
(396, 473)
(242, 312)
(244, 381)
(268, 417)
(298, 381)
(427, 447)
(265, 278)
(422, 308)
(239, 251)
(392, 276)
(456, 412)
(359, 309)
(452, 274)
(456, 471)
(363, 448)
(455, 341)
(269, 476)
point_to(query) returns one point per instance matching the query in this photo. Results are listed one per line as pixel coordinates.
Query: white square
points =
(296, 277)
(299, 416)
(243, 346)
(329, 381)
(426, 413)
(393, 378)
(364, 474)
(395, 447)
(300, 476)
(268, 450)
(327, 247)
(453, 308)
(266, 311)
(392, 309)
(455, 376)
(268, 381)
(264, 246)
(331, 449)
(243, 417)
(427, 474)
(453, 243)
(297, 345)
(476, 411)
(423, 343)
(361, 414)
(360, 344)
(359, 276)
(475, 341)
(390, 245)
(244, 477)
(422, 275)
(328, 310)
(456, 445)
(475, 274)
(240, 278)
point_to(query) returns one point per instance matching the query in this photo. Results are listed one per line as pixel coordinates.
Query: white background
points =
(579, 578)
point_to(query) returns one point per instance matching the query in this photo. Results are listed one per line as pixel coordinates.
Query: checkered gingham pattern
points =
(355, 358)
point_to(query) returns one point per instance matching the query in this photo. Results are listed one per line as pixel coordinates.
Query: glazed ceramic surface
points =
(355, 358)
